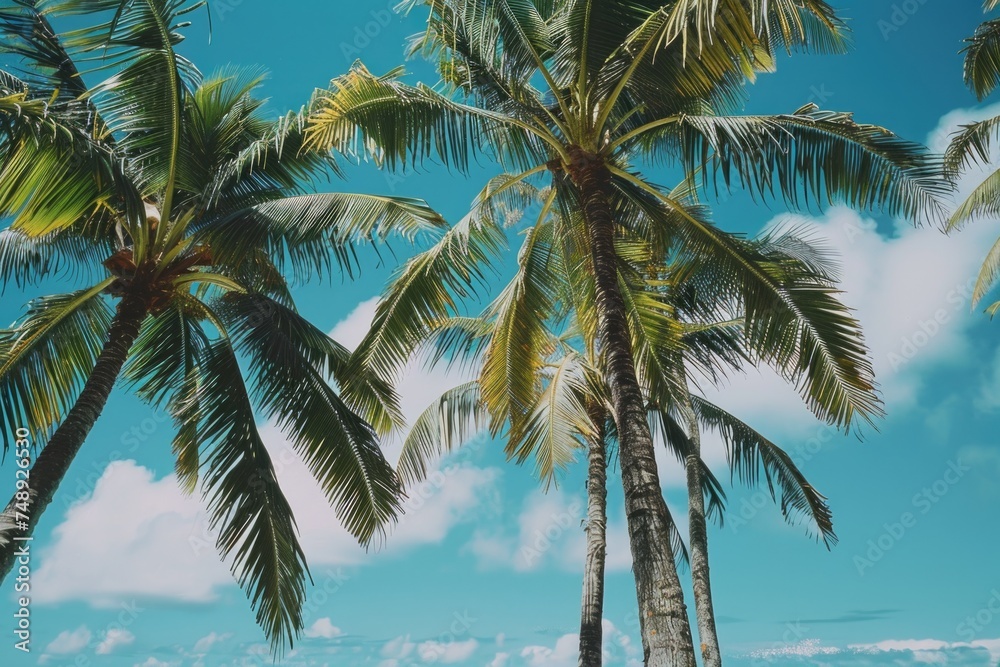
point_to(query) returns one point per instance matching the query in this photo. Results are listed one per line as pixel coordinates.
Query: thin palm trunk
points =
(54, 461)
(663, 619)
(592, 608)
(700, 575)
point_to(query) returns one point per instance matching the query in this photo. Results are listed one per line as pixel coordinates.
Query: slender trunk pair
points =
(592, 615)
(666, 631)
(55, 458)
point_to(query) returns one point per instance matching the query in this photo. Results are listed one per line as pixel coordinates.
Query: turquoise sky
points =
(485, 569)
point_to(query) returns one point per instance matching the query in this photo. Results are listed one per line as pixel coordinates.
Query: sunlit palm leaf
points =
(447, 423)
(46, 358)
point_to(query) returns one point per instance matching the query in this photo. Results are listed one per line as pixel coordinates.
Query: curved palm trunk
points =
(55, 458)
(592, 614)
(704, 608)
(666, 632)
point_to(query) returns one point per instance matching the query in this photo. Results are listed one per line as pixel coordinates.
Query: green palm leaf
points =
(982, 58)
(290, 361)
(46, 358)
(750, 454)
(446, 424)
(256, 526)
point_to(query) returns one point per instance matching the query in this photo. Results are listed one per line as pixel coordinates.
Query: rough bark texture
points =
(592, 614)
(54, 461)
(704, 608)
(666, 632)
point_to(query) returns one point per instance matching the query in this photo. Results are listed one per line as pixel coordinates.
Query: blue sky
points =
(484, 569)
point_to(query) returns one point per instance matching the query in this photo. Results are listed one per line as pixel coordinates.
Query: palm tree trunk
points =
(663, 619)
(704, 608)
(592, 608)
(54, 461)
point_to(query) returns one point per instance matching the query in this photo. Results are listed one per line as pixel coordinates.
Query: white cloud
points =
(350, 331)
(808, 648)
(206, 643)
(69, 641)
(447, 653)
(107, 551)
(153, 662)
(550, 532)
(114, 639)
(398, 648)
(890, 651)
(499, 660)
(617, 649)
(930, 650)
(324, 629)
(564, 654)
(158, 545)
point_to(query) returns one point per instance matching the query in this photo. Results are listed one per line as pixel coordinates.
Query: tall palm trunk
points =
(704, 608)
(55, 458)
(592, 608)
(666, 632)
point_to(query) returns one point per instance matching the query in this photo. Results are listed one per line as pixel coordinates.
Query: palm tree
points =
(182, 204)
(571, 407)
(972, 146)
(587, 92)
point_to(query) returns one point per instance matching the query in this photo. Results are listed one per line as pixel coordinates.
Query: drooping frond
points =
(792, 316)
(447, 423)
(256, 526)
(814, 157)
(750, 453)
(27, 260)
(982, 59)
(557, 424)
(520, 343)
(165, 366)
(291, 361)
(679, 444)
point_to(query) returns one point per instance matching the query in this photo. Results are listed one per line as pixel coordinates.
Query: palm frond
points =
(256, 526)
(557, 424)
(426, 290)
(792, 316)
(316, 232)
(679, 444)
(510, 380)
(983, 201)
(46, 358)
(813, 156)
(290, 361)
(164, 366)
(970, 146)
(750, 453)
(446, 424)
(982, 58)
